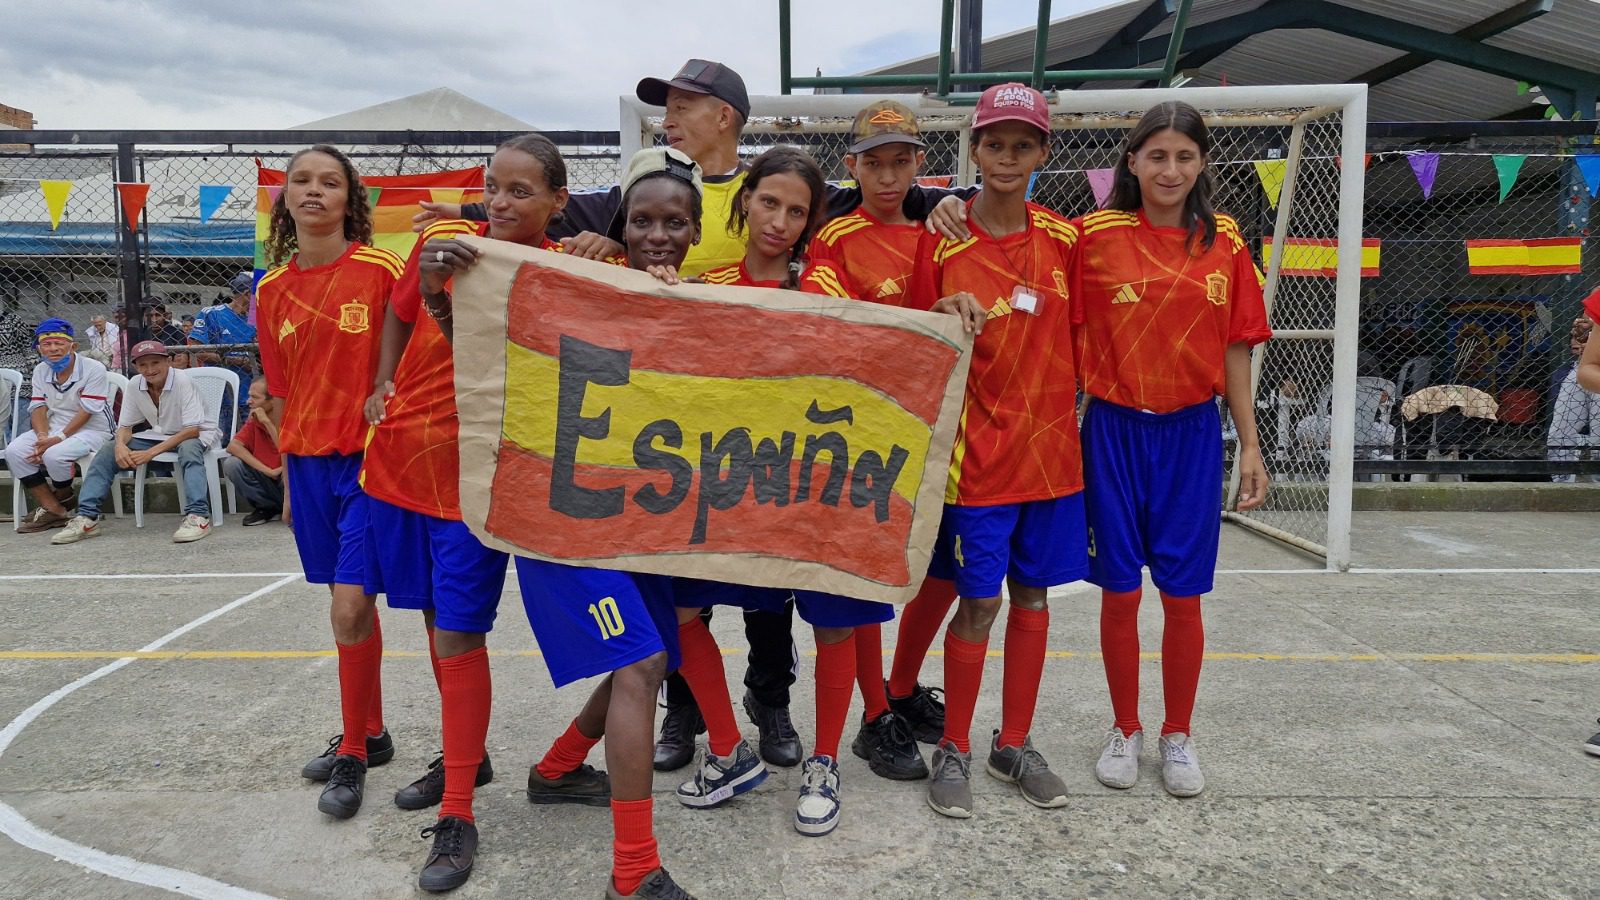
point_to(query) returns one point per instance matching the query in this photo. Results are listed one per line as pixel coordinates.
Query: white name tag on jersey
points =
(1024, 300)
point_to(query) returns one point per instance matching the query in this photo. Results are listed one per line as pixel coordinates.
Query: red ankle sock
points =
(633, 844)
(465, 696)
(433, 659)
(1026, 632)
(963, 675)
(869, 669)
(358, 680)
(567, 753)
(836, 675)
(1119, 648)
(1183, 647)
(920, 621)
(375, 709)
(708, 681)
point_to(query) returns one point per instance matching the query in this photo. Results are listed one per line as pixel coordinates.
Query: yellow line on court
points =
(1559, 658)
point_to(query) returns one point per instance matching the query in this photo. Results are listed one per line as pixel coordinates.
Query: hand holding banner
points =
(745, 435)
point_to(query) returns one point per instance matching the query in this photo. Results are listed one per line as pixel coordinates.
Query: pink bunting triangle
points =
(1100, 181)
(1426, 167)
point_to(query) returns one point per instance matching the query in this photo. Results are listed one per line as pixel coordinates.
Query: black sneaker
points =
(676, 747)
(923, 711)
(449, 865)
(780, 744)
(429, 789)
(1592, 745)
(584, 785)
(380, 750)
(341, 798)
(889, 749)
(260, 516)
(658, 885)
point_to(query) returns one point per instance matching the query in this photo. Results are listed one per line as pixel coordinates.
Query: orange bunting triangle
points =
(133, 196)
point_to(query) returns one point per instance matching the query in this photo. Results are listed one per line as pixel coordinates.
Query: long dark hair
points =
(282, 242)
(1198, 214)
(778, 161)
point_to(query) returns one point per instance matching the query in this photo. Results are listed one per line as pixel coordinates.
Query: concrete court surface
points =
(1385, 733)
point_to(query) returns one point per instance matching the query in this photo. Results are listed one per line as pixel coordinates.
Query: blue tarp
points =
(217, 239)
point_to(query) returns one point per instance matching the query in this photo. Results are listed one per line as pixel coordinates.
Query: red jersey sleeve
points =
(267, 339)
(1248, 316)
(923, 290)
(407, 296)
(825, 278)
(1591, 306)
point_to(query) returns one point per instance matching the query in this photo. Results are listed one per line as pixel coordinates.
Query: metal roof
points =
(1435, 91)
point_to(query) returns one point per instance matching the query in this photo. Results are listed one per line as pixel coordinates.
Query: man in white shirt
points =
(70, 420)
(105, 341)
(167, 401)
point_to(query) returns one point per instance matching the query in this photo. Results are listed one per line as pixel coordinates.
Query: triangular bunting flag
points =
(1100, 181)
(133, 196)
(1366, 161)
(1271, 172)
(211, 199)
(1507, 165)
(372, 196)
(1426, 167)
(1589, 165)
(55, 199)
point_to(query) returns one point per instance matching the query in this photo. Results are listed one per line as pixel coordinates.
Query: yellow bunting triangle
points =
(55, 199)
(1271, 173)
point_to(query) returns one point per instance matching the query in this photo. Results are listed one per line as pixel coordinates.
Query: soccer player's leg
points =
(920, 621)
(769, 672)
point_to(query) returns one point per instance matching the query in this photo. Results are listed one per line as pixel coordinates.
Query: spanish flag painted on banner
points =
(1319, 257)
(1542, 256)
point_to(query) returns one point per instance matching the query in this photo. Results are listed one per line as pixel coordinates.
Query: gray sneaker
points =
(1119, 759)
(950, 787)
(78, 528)
(1025, 767)
(1180, 766)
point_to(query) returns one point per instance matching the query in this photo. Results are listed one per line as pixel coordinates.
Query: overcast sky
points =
(277, 63)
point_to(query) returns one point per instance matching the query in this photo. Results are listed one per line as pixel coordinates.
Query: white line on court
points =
(15, 826)
(177, 577)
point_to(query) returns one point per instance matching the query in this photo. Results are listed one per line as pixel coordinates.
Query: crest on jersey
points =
(353, 318)
(1217, 288)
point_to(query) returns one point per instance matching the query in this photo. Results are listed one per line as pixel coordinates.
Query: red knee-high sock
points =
(869, 669)
(920, 622)
(1119, 648)
(708, 681)
(433, 659)
(1026, 631)
(465, 695)
(836, 676)
(963, 675)
(358, 681)
(375, 709)
(633, 844)
(1183, 647)
(567, 753)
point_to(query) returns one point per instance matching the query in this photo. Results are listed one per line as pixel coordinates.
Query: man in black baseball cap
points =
(699, 76)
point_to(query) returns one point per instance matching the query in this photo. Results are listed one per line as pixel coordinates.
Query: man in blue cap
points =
(229, 323)
(70, 421)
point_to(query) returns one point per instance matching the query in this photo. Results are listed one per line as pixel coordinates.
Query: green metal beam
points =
(785, 72)
(1175, 42)
(1143, 23)
(1496, 24)
(1041, 36)
(1051, 77)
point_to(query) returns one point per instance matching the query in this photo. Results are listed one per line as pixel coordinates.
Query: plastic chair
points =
(116, 384)
(213, 383)
(11, 389)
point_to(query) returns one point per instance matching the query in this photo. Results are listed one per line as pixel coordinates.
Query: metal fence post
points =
(132, 273)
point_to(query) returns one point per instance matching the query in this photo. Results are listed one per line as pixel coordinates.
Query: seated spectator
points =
(229, 323)
(255, 468)
(166, 400)
(105, 342)
(186, 325)
(1574, 412)
(67, 409)
(158, 327)
(16, 338)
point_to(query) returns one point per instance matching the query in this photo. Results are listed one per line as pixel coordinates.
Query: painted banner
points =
(1542, 256)
(746, 435)
(1320, 256)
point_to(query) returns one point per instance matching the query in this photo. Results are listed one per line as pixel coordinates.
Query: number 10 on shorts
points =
(607, 617)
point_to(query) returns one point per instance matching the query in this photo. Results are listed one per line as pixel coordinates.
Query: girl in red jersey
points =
(319, 315)
(1169, 306)
(1014, 503)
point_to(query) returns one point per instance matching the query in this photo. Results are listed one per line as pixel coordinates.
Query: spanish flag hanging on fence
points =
(1541, 256)
(1319, 257)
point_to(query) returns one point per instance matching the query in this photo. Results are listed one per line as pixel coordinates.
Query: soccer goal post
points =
(1289, 162)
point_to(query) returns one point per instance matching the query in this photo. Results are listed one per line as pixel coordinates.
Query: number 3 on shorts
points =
(607, 617)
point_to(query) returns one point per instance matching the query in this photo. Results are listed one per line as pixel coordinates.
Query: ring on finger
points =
(439, 257)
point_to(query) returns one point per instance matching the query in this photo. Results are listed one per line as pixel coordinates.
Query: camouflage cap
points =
(884, 122)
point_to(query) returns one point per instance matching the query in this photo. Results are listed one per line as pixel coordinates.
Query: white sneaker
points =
(817, 811)
(193, 529)
(78, 528)
(1119, 759)
(1180, 766)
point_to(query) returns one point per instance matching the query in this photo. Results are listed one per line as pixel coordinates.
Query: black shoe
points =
(658, 885)
(676, 747)
(429, 789)
(341, 798)
(380, 750)
(780, 745)
(923, 711)
(260, 516)
(889, 748)
(584, 785)
(449, 865)
(1592, 745)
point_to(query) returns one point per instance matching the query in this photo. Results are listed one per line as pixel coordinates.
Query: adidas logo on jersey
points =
(1126, 294)
(1001, 307)
(889, 288)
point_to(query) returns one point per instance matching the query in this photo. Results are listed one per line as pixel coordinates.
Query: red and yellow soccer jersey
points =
(319, 331)
(1153, 320)
(737, 274)
(860, 257)
(1018, 437)
(412, 460)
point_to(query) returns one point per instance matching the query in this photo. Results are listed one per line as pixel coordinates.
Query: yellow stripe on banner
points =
(1498, 256)
(1555, 255)
(767, 407)
(1371, 257)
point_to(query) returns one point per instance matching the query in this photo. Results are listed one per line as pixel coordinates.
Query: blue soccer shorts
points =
(419, 561)
(1039, 543)
(330, 517)
(1153, 482)
(815, 608)
(592, 621)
